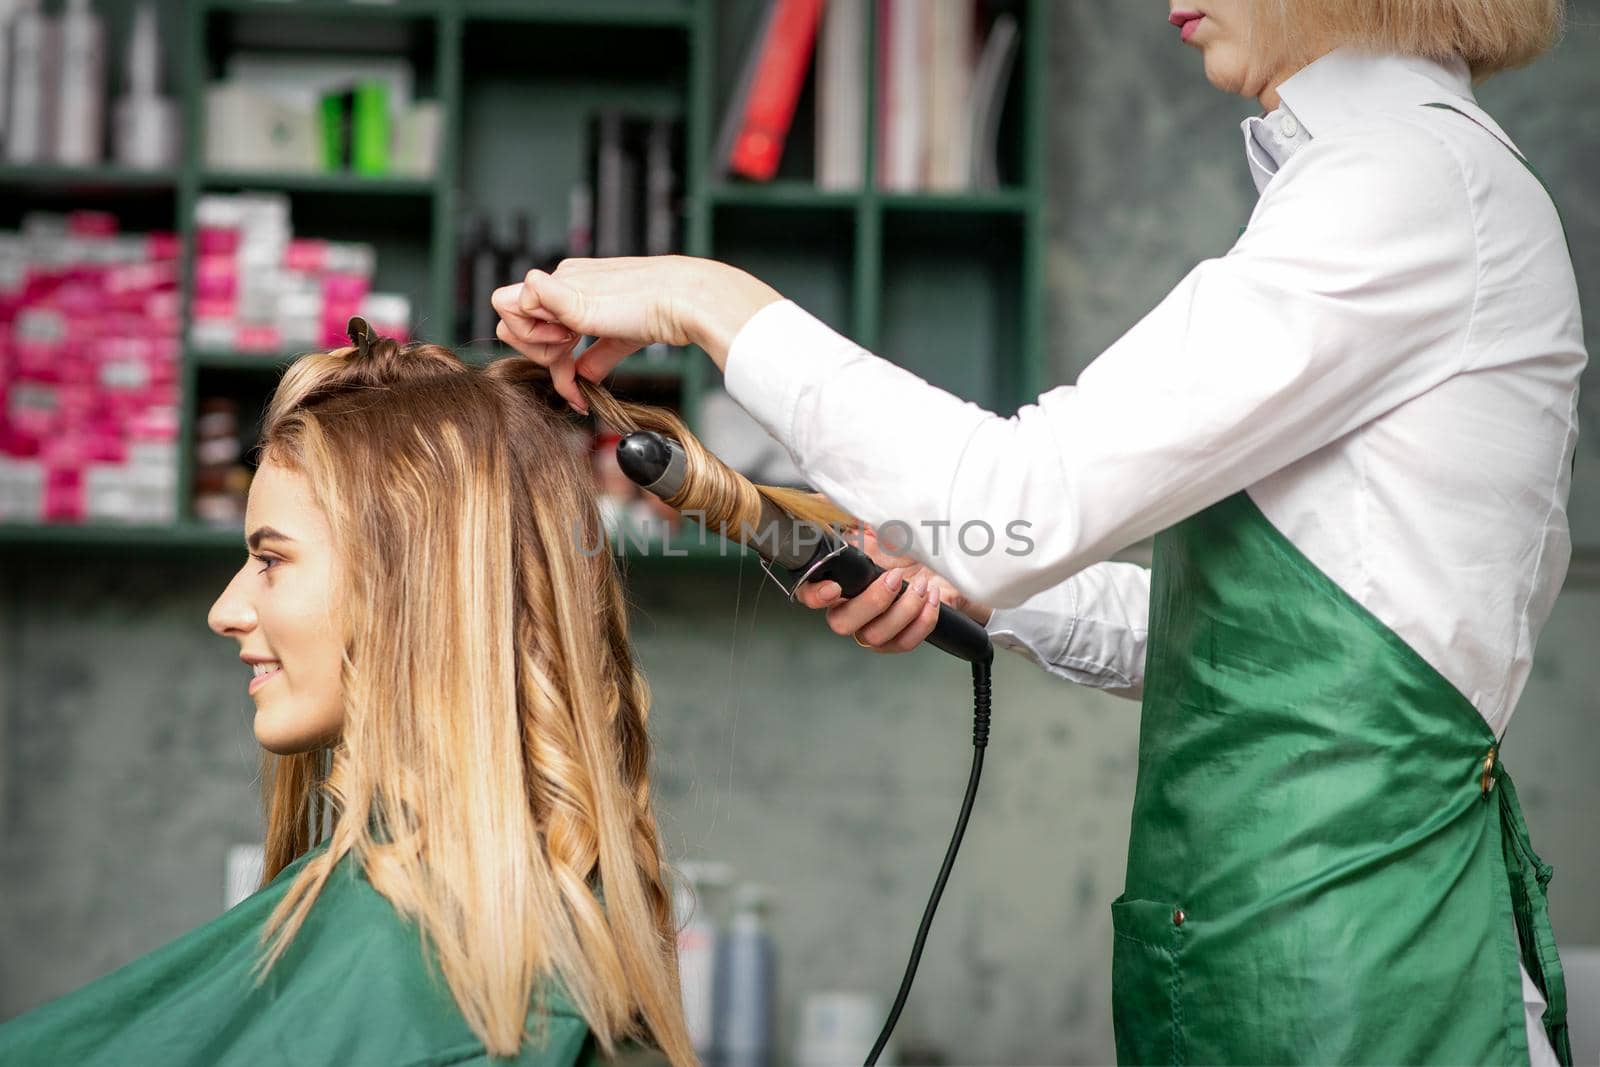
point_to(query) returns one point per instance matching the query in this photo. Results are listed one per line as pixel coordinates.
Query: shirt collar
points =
(1338, 87)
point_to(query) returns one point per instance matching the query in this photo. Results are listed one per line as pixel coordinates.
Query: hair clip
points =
(360, 335)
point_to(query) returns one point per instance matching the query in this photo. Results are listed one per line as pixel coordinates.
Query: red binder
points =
(780, 74)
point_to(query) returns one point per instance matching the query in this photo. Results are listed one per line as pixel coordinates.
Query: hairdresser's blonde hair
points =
(493, 768)
(1491, 35)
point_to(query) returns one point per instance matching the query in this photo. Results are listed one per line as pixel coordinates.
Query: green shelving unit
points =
(949, 285)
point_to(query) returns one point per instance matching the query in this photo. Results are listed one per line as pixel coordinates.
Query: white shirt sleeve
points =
(1091, 629)
(1351, 293)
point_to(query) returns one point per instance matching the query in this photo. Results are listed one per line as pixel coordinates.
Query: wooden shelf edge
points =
(105, 176)
(593, 12)
(358, 8)
(805, 195)
(213, 179)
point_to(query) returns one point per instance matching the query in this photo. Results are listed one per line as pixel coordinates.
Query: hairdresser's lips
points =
(1188, 20)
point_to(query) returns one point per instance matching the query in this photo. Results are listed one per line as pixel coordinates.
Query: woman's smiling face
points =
(279, 607)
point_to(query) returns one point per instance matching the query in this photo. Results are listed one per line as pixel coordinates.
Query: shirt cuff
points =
(774, 356)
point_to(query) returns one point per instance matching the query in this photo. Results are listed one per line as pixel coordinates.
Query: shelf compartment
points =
(806, 253)
(65, 536)
(264, 362)
(952, 309)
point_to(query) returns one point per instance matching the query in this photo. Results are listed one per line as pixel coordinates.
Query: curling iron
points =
(660, 465)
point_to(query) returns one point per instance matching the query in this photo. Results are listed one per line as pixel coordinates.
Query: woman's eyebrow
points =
(265, 533)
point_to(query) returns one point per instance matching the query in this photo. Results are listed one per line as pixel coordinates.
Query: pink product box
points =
(91, 224)
(63, 496)
(216, 279)
(162, 246)
(142, 278)
(217, 240)
(341, 298)
(157, 423)
(306, 254)
(257, 337)
(74, 450)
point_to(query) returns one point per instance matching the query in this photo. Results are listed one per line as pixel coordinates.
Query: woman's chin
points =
(281, 739)
(1225, 70)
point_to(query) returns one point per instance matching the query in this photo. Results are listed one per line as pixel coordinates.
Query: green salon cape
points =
(1327, 857)
(353, 989)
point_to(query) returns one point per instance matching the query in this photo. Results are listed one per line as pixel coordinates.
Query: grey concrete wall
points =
(127, 764)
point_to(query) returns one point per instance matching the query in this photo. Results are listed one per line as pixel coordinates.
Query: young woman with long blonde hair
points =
(461, 855)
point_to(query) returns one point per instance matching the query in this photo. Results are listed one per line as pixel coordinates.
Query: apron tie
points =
(1529, 875)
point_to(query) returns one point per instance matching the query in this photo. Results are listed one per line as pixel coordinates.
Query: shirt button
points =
(1178, 916)
(1291, 126)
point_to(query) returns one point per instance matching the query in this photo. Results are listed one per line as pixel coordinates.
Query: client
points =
(461, 856)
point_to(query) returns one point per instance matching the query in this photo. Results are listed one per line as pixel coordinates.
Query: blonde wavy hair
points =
(493, 769)
(1491, 35)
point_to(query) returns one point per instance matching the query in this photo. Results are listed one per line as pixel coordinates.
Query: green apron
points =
(1326, 855)
(1328, 863)
(353, 989)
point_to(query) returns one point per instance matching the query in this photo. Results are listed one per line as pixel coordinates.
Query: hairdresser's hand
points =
(625, 303)
(898, 611)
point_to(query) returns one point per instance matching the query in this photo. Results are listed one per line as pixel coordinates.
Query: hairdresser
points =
(1351, 436)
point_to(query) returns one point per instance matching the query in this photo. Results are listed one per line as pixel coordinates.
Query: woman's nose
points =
(232, 614)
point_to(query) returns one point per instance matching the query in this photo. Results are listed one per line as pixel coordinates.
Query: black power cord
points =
(980, 741)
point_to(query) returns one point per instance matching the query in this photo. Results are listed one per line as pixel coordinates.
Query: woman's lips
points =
(261, 679)
(1188, 20)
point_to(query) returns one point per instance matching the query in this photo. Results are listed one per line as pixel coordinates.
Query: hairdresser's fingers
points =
(947, 593)
(556, 358)
(544, 296)
(818, 595)
(600, 358)
(852, 613)
(900, 615)
(920, 627)
(534, 331)
(546, 353)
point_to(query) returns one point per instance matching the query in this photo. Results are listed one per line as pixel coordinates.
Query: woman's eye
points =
(265, 561)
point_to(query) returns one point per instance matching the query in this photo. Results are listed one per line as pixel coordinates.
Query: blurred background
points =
(989, 192)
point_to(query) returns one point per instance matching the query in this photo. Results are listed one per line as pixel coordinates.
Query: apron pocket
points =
(1146, 984)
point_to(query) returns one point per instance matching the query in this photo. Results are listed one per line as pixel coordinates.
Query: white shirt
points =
(1387, 360)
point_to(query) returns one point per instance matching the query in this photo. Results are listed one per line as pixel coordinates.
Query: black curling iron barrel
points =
(809, 552)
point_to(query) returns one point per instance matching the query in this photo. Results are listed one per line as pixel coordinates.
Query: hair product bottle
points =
(145, 123)
(746, 982)
(30, 99)
(699, 932)
(81, 100)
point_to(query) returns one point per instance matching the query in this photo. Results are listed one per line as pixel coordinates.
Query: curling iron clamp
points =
(807, 551)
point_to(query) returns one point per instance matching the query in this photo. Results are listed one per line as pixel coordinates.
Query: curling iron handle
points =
(956, 633)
